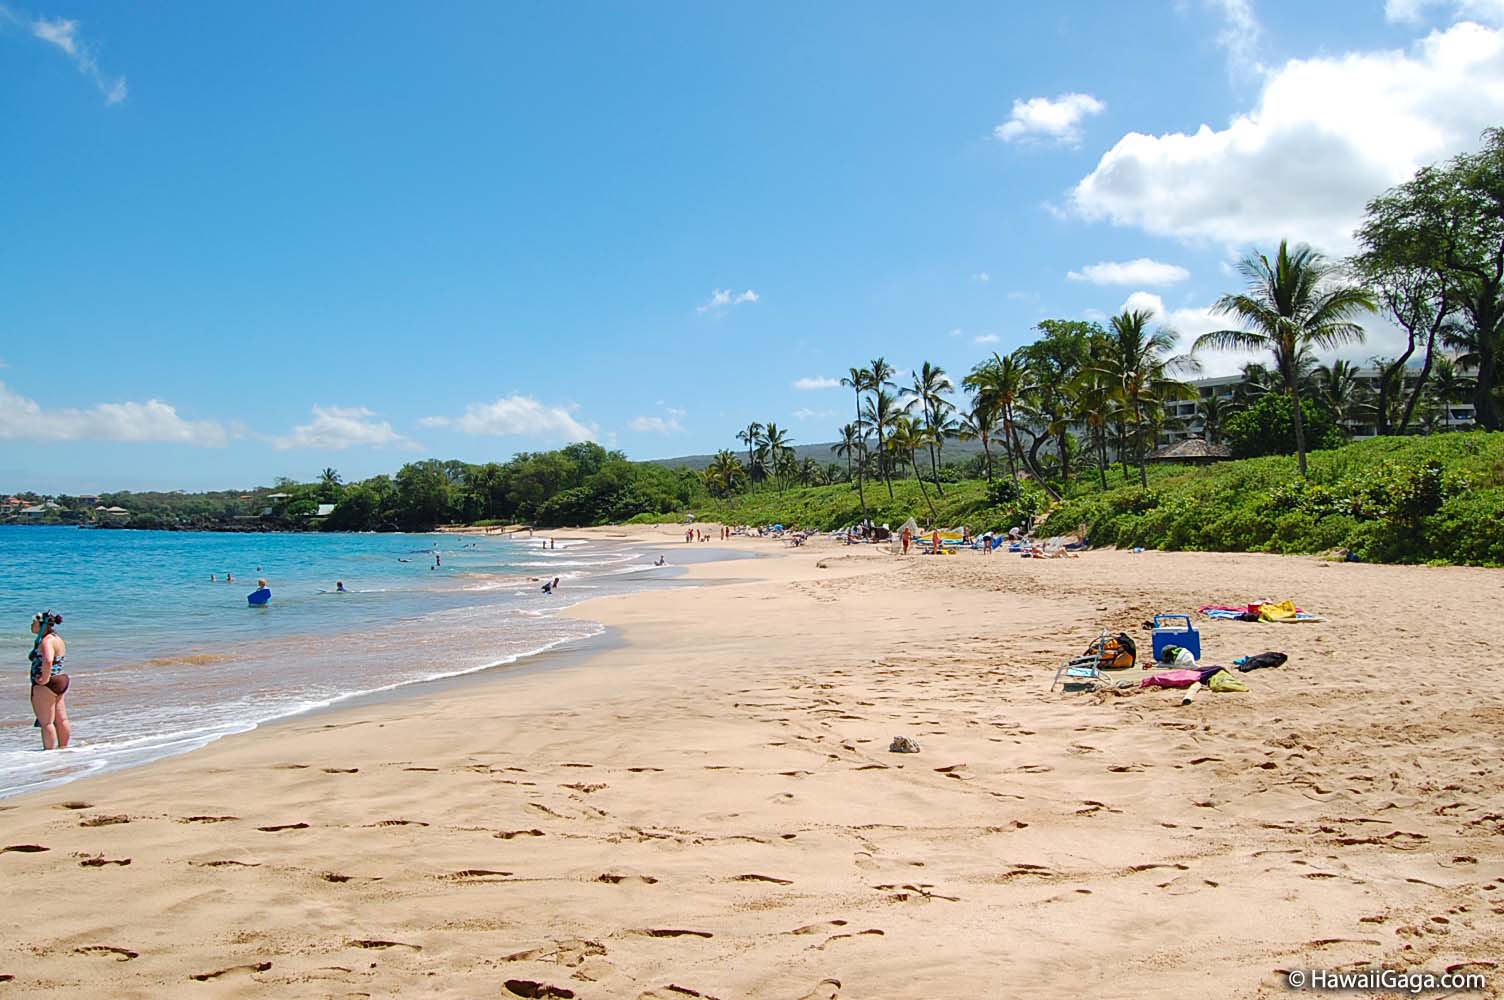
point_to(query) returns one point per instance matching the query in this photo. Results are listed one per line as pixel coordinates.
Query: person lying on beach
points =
(49, 683)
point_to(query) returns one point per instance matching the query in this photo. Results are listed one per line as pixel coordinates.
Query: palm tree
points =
(856, 380)
(906, 438)
(878, 411)
(810, 473)
(930, 385)
(1095, 393)
(329, 477)
(1213, 412)
(1448, 385)
(849, 447)
(723, 473)
(1339, 391)
(1294, 303)
(1003, 382)
(751, 436)
(879, 379)
(777, 441)
(979, 424)
(1136, 360)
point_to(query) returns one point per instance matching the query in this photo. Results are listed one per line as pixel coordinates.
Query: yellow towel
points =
(1283, 611)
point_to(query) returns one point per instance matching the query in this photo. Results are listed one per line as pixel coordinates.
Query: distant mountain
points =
(954, 451)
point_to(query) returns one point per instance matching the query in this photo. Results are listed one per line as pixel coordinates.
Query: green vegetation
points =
(1389, 499)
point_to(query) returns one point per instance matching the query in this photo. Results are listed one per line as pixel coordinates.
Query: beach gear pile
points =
(1175, 662)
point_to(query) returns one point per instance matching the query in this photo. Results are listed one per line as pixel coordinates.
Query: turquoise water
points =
(163, 660)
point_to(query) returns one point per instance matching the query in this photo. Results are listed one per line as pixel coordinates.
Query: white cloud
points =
(985, 338)
(1041, 117)
(656, 425)
(1240, 36)
(335, 428)
(516, 415)
(804, 413)
(981, 277)
(1141, 271)
(722, 298)
(23, 419)
(1327, 134)
(62, 34)
(817, 382)
(1414, 11)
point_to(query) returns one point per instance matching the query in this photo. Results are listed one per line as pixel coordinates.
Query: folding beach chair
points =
(1086, 669)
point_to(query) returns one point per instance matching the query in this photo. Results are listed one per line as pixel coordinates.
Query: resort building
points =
(1185, 421)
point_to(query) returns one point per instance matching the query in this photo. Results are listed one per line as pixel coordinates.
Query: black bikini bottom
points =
(57, 684)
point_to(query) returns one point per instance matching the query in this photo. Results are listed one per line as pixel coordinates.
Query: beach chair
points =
(1085, 669)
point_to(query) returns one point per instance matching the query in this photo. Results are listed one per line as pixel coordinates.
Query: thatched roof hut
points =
(1192, 450)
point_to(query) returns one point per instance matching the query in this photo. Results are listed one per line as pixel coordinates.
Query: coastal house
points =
(41, 510)
(325, 509)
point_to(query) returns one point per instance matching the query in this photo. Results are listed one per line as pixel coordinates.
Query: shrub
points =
(1268, 428)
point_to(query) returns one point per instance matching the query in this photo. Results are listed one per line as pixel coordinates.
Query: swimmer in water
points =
(661, 561)
(339, 587)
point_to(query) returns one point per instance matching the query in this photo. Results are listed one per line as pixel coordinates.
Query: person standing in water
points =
(48, 681)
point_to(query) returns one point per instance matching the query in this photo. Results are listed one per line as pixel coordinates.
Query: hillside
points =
(1412, 499)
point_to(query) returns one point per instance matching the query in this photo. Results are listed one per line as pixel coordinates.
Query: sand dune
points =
(709, 809)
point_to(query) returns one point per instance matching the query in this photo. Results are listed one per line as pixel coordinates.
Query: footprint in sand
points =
(641, 770)
(612, 879)
(225, 864)
(398, 822)
(825, 989)
(530, 988)
(509, 834)
(121, 954)
(817, 928)
(99, 861)
(570, 952)
(208, 819)
(380, 944)
(283, 826)
(25, 848)
(753, 877)
(475, 875)
(341, 770)
(842, 937)
(663, 932)
(104, 820)
(585, 789)
(204, 977)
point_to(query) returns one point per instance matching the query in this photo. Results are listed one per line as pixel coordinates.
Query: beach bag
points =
(1117, 653)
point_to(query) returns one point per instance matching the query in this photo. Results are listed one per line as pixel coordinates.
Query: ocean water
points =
(163, 661)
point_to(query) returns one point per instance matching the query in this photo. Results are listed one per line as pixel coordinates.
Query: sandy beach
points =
(707, 807)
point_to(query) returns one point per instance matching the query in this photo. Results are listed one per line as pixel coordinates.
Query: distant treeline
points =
(581, 484)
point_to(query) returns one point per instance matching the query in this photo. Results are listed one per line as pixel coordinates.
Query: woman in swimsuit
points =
(49, 683)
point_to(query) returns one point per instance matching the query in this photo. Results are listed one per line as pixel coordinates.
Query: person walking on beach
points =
(48, 681)
(907, 538)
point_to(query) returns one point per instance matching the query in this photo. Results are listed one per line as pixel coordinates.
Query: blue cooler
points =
(1175, 630)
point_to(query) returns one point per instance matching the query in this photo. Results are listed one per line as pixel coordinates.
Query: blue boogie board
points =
(258, 597)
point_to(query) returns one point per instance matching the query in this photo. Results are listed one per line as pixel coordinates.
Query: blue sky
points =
(243, 242)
